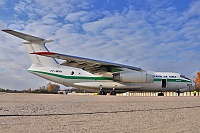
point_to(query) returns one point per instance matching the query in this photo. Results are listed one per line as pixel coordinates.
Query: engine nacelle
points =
(133, 77)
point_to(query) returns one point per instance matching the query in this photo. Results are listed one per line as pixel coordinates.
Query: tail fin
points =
(35, 44)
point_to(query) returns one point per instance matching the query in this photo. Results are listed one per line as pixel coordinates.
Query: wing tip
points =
(5, 30)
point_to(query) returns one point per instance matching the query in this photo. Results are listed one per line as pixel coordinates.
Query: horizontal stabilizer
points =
(43, 53)
(27, 37)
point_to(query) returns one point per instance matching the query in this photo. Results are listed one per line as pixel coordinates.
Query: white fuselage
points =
(75, 77)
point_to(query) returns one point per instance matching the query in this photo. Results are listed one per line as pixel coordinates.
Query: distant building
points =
(52, 88)
(29, 90)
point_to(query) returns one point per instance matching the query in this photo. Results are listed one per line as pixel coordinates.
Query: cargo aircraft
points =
(95, 75)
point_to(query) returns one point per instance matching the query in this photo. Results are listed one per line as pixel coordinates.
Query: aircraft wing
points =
(90, 65)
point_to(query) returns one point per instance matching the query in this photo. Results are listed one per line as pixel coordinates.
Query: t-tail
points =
(35, 44)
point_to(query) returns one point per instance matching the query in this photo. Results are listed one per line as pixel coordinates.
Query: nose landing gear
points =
(161, 94)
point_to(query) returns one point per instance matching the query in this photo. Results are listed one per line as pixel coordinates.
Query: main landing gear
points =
(101, 92)
(113, 91)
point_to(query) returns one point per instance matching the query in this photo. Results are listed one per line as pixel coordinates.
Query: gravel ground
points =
(96, 114)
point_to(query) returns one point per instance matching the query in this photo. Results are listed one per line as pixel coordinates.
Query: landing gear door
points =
(164, 83)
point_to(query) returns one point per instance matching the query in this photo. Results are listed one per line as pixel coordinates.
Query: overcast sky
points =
(158, 35)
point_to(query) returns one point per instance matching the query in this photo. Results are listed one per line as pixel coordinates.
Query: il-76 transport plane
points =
(95, 75)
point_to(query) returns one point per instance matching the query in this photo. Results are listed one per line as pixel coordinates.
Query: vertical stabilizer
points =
(38, 60)
(35, 44)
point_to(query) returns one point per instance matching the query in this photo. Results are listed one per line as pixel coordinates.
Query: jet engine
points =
(133, 77)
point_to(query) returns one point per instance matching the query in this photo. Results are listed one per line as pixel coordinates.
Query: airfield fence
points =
(156, 94)
(143, 94)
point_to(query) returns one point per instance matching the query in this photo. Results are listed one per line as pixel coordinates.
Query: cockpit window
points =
(183, 76)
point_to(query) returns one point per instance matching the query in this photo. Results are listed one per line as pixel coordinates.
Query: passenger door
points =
(164, 83)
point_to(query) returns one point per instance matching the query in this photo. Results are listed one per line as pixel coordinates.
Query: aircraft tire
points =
(160, 94)
(102, 93)
(113, 93)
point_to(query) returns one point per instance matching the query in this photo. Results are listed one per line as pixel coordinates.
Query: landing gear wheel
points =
(112, 93)
(160, 94)
(102, 93)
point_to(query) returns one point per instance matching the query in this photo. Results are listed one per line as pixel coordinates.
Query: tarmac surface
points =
(36, 113)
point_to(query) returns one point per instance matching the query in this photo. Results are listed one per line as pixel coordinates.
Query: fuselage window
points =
(159, 76)
(72, 73)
